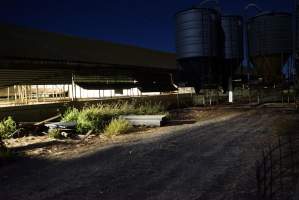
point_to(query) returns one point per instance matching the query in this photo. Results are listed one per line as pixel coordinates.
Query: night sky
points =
(145, 23)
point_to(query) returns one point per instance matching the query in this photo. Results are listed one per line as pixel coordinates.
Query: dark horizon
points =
(147, 24)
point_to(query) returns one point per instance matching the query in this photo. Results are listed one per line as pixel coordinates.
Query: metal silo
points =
(270, 44)
(197, 46)
(232, 27)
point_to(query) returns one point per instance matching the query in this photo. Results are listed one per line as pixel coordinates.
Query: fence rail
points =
(277, 172)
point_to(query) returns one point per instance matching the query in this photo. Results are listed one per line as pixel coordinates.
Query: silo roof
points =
(270, 13)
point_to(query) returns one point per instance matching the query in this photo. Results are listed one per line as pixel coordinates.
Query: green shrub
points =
(117, 127)
(71, 114)
(55, 133)
(7, 127)
(97, 117)
(94, 118)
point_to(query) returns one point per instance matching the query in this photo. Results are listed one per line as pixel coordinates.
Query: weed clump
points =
(71, 114)
(55, 133)
(117, 127)
(7, 127)
(94, 118)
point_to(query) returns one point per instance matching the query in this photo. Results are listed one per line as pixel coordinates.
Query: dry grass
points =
(117, 127)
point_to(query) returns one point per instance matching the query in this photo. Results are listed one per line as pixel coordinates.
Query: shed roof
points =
(26, 43)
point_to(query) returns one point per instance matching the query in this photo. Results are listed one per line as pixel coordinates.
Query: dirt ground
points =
(213, 158)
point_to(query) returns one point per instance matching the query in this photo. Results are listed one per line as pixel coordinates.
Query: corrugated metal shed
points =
(30, 56)
(25, 43)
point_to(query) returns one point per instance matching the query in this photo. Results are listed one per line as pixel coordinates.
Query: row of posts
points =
(256, 97)
(25, 94)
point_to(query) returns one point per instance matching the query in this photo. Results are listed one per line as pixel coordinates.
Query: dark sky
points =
(146, 23)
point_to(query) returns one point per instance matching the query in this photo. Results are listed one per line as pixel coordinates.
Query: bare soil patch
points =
(43, 146)
(213, 158)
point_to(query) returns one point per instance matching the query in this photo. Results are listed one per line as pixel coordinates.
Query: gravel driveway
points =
(209, 160)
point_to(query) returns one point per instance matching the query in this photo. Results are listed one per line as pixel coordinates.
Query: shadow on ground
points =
(211, 161)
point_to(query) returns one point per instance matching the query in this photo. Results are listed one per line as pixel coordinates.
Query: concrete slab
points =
(144, 120)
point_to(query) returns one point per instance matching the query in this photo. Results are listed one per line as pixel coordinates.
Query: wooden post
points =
(20, 94)
(27, 94)
(15, 91)
(36, 93)
(23, 93)
(30, 92)
(8, 94)
(44, 93)
(18, 91)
